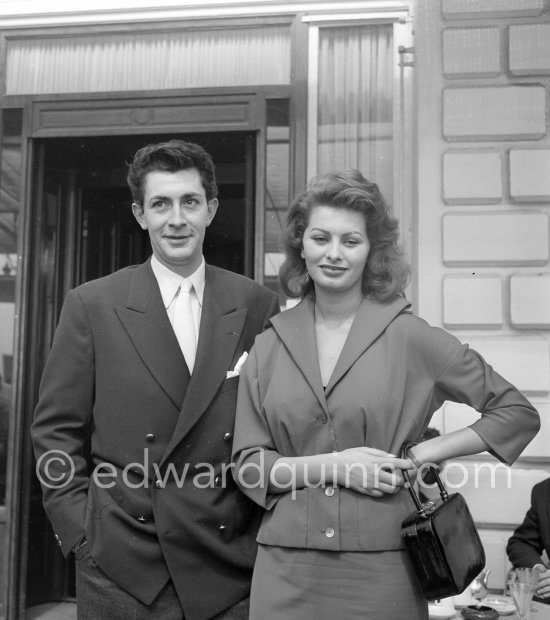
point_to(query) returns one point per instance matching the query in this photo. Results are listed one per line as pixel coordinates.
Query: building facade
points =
(444, 103)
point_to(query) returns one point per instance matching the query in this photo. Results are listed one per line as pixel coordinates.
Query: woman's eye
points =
(351, 242)
(319, 239)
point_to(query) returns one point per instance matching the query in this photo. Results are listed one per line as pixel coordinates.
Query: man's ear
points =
(137, 210)
(212, 206)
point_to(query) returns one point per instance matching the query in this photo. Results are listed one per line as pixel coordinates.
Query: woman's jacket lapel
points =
(296, 329)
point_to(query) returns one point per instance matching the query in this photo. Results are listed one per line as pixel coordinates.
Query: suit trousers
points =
(99, 597)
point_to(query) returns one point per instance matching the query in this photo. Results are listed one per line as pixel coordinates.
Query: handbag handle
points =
(442, 490)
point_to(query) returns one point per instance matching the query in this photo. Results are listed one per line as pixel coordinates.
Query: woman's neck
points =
(337, 306)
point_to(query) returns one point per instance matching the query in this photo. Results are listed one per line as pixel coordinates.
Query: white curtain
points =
(355, 102)
(149, 61)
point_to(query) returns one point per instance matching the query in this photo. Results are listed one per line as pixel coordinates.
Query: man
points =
(532, 538)
(133, 428)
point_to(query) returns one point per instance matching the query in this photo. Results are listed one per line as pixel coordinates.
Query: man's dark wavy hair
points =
(386, 272)
(171, 156)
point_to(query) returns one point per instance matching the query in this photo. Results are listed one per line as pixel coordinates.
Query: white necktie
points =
(184, 323)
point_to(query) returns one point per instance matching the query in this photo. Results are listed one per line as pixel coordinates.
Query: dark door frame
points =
(192, 111)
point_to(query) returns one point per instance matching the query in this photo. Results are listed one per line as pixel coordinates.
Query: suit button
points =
(329, 532)
(142, 519)
(227, 436)
(158, 484)
(150, 437)
(329, 491)
(218, 481)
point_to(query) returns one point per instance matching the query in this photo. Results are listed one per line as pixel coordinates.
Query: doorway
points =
(83, 228)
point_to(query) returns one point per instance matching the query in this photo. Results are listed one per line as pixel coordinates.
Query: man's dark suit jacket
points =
(532, 537)
(116, 396)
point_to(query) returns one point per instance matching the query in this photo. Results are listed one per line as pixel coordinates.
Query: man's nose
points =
(177, 216)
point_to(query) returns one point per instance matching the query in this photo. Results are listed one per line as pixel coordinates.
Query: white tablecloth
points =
(538, 612)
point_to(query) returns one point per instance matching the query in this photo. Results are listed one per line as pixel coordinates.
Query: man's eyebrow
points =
(158, 197)
(191, 194)
(168, 198)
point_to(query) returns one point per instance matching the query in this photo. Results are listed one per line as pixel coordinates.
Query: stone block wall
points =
(483, 252)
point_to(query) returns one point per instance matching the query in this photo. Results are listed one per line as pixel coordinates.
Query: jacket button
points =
(142, 519)
(329, 491)
(150, 437)
(218, 481)
(158, 484)
(59, 541)
(329, 532)
(227, 436)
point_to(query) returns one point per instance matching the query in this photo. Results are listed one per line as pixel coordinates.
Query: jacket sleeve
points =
(62, 422)
(254, 452)
(525, 546)
(508, 420)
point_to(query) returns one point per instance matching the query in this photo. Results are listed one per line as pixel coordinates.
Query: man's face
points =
(176, 213)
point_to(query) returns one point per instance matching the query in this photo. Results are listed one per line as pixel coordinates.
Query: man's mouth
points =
(177, 237)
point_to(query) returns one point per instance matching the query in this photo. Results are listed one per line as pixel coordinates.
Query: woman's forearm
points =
(362, 469)
(298, 472)
(458, 443)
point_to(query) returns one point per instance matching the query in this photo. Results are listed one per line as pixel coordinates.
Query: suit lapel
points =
(220, 331)
(146, 322)
(371, 320)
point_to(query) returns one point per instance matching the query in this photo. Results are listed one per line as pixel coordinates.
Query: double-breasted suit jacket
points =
(393, 373)
(532, 537)
(147, 480)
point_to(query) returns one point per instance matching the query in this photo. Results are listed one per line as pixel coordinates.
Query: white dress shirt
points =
(169, 284)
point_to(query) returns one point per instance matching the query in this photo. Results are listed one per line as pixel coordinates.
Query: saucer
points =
(503, 604)
(437, 612)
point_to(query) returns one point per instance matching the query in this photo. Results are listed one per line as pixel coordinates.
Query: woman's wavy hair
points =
(386, 272)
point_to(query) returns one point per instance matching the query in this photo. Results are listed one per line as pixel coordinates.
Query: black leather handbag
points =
(442, 541)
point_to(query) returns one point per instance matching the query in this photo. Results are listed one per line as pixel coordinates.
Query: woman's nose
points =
(333, 250)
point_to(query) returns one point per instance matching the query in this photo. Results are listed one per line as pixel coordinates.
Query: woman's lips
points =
(333, 269)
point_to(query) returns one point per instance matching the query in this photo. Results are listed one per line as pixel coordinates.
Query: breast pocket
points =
(230, 384)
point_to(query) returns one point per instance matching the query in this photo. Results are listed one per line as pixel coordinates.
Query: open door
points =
(83, 228)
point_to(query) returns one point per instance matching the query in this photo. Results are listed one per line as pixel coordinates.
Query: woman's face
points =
(335, 248)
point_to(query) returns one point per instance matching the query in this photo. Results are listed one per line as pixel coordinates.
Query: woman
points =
(327, 398)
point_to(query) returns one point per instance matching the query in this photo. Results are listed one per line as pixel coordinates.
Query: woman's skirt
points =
(308, 584)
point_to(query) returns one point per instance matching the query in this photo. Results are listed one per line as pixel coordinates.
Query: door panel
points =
(84, 229)
(49, 577)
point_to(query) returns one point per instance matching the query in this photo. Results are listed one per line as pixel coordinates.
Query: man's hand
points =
(543, 586)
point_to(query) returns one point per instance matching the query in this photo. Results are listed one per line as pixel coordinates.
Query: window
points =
(158, 60)
(360, 103)
(277, 186)
(10, 173)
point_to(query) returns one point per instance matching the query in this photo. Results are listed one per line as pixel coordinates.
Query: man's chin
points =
(183, 263)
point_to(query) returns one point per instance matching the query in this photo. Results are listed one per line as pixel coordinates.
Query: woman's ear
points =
(302, 253)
